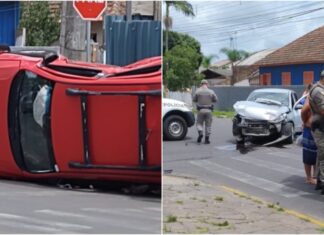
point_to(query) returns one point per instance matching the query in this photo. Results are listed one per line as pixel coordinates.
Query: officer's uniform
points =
(316, 101)
(204, 99)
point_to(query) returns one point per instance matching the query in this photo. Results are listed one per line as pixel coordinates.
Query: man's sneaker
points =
(207, 140)
(199, 138)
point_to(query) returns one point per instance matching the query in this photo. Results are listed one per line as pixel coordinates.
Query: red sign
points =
(90, 10)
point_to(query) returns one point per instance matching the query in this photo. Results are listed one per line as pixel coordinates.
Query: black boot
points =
(199, 138)
(319, 185)
(207, 140)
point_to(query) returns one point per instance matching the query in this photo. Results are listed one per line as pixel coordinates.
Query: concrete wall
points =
(228, 95)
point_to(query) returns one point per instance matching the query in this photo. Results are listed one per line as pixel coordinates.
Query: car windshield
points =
(274, 98)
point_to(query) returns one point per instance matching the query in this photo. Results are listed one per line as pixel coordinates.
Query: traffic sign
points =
(90, 10)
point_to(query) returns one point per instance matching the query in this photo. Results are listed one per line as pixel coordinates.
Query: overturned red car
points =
(76, 120)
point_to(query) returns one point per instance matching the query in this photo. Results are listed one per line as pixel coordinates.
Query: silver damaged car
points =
(269, 112)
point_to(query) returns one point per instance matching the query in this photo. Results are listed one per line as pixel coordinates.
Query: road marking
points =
(48, 223)
(290, 156)
(126, 213)
(291, 212)
(255, 181)
(60, 213)
(230, 147)
(270, 165)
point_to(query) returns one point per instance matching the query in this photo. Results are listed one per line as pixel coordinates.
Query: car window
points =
(283, 98)
(30, 99)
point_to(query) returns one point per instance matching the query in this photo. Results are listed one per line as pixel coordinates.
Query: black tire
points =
(236, 131)
(288, 130)
(174, 128)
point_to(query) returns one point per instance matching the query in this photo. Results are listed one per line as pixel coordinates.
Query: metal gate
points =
(130, 41)
(9, 19)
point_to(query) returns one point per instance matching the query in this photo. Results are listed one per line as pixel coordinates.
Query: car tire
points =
(236, 131)
(288, 130)
(175, 128)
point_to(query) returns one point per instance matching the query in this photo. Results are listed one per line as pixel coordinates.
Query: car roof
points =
(273, 90)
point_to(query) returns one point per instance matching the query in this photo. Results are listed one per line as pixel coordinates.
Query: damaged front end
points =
(259, 120)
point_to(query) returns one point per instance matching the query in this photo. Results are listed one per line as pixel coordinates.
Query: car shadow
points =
(298, 182)
(85, 186)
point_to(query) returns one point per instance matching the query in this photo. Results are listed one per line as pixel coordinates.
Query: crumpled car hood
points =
(259, 111)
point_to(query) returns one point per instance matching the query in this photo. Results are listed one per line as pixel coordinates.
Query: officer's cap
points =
(204, 81)
(322, 73)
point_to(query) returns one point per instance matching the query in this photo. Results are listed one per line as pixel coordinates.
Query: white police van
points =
(177, 117)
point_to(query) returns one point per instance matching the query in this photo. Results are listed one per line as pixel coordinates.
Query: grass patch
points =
(179, 202)
(219, 199)
(166, 229)
(203, 200)
(307, 220)
(321, 230)
(223, 114)
(271, 205)
(202, 229)
(280, 209)
(222, 224)
(171, 219)
(257, 201)
(193, 198)
(196, 184)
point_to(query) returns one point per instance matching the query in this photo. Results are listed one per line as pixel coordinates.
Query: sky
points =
(248, 25)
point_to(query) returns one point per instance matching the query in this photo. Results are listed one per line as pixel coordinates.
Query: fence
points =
(130, 41)
(228, 95)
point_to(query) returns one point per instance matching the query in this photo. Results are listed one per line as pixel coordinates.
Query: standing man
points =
(204, 99)
(316, 101)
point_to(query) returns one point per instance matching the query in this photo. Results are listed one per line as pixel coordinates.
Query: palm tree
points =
(181, 6)
(206, 62)
(234, 55)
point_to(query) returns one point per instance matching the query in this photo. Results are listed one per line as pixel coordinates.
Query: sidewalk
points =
(191, 206)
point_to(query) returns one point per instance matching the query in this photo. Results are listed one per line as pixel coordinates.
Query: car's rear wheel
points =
(288, 130)
(174, 128)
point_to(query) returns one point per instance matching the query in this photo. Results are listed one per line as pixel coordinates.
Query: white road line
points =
(61, 213)
(290, 156)
(48, 223)
(135, 215)
(270, 165)
(99, 218)
(33, 228)
(255, 181)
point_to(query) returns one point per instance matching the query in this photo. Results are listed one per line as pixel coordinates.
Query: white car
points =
(268, 112)
(177, 117)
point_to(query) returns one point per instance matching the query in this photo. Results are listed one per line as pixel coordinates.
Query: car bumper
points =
(190, 118)
(259, 128)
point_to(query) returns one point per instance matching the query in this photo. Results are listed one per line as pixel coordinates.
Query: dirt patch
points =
(192, 206)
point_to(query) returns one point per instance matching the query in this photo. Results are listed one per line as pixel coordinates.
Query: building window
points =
(265, 79)
(285, 78)
(308, 77)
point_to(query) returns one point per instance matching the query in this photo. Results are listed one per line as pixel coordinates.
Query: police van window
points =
(29, 122)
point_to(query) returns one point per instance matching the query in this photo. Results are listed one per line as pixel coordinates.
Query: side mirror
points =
(298, 106)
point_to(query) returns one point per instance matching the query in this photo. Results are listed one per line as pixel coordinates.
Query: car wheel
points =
(237, 132)
(174, 128)
(288, 130)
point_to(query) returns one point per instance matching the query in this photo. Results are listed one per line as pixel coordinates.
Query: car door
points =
(296, 111)
(106, 128)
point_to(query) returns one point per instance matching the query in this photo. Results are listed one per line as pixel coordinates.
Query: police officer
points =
(316, 101)
(204, 99)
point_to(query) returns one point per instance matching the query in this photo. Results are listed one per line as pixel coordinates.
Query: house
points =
(298, 63)
(9, 21)
(247, 69)
(216, 76)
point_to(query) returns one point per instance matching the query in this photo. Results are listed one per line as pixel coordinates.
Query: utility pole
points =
(73, 28)
(129, 10)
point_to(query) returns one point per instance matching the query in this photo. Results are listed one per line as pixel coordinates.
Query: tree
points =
(234, 55)
(181, 6)
(206, 61)
(180, 67)
(42, 26)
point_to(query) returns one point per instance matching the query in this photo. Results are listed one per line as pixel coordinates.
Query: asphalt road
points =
(274, 174)
(33, 208)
